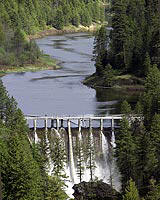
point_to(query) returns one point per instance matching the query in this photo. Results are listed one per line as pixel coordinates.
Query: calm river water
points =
(61, 92)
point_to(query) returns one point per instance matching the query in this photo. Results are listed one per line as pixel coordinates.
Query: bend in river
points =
(61, 92)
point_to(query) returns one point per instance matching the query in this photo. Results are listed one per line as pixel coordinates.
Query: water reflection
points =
(61, 92)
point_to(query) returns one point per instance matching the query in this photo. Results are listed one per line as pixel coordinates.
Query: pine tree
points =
(147, 64)
(99, 52)
(118, 35)
(91, 157)
(80, 161)
(138, 108)
(131, 192)
(125, 108)
(154, 193)
(155, 128)
(59, 19)
(125, 152)
(151, 97)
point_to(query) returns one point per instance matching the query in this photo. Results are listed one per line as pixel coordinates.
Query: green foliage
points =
(134, 42)
(125, 152)
(153, 80)
(80, 160)
(147, 64)
(109, 74)
(55, 191)
(32, 16)
(19, 171)
(151, 97)
(17, 51)
(131, 192)
(100, 45)
(91, 156)
(125, 108)
(58, 157)
(154, 193)
(23, 168)
(138, 108)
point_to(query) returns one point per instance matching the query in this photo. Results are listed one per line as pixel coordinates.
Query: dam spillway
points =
(88, 141)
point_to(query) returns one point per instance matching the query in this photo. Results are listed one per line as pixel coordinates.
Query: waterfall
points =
(71, 158)
(96, 154)
(113, 139)
(36, 139)
(105, 150)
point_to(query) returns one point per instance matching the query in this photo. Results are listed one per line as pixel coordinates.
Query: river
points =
(61, 92)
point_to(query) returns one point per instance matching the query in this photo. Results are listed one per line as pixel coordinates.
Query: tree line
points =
(133, 44)
(23, 167)
(15, 49)
(35, 15)
(137, 143)
(18, 18)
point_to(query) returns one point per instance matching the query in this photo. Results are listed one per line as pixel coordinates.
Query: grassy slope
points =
(127, 81)
(44, 62)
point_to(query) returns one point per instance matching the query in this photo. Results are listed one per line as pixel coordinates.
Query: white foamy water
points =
(94, 150)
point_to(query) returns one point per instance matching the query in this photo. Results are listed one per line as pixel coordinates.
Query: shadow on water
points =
(53, 77)
(112, 99)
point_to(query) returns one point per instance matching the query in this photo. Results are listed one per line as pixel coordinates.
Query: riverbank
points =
(125, 82)
(45, 62)
(65, 30)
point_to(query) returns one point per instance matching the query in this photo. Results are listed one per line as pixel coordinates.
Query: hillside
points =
(34, 15)
(132, 46)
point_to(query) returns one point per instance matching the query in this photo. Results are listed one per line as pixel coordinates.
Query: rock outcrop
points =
(95, 191)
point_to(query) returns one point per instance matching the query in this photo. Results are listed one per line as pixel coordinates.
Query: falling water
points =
(72, 166)
(105, 150)
(36, 139)
(104, 168)
(113, 139)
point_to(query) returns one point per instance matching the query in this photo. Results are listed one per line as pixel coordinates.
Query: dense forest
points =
(138, 141)
(23, 164)
(33, 15)
(133, 44)
(21, 18)
(131, 47)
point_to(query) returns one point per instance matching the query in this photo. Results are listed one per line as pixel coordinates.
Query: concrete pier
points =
(90, 125)
(35, 125)
(57, 124)
(112, 124)
(46, 125)
(79, 125)
(101, 124)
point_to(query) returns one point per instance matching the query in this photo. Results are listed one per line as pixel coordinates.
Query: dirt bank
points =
(67, 29)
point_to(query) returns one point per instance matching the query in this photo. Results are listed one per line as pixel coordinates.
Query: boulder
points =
(95, 191)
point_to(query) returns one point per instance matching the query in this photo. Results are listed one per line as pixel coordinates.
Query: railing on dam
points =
(59, 121)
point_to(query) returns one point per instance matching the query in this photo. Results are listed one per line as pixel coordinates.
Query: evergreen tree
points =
(99, 52)
(91, 157)
(125, 108)
(125, 152)
(154, 193)
(131, 192)
(80, 161)
(151, 97)
(147, 64)
(146, 160)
